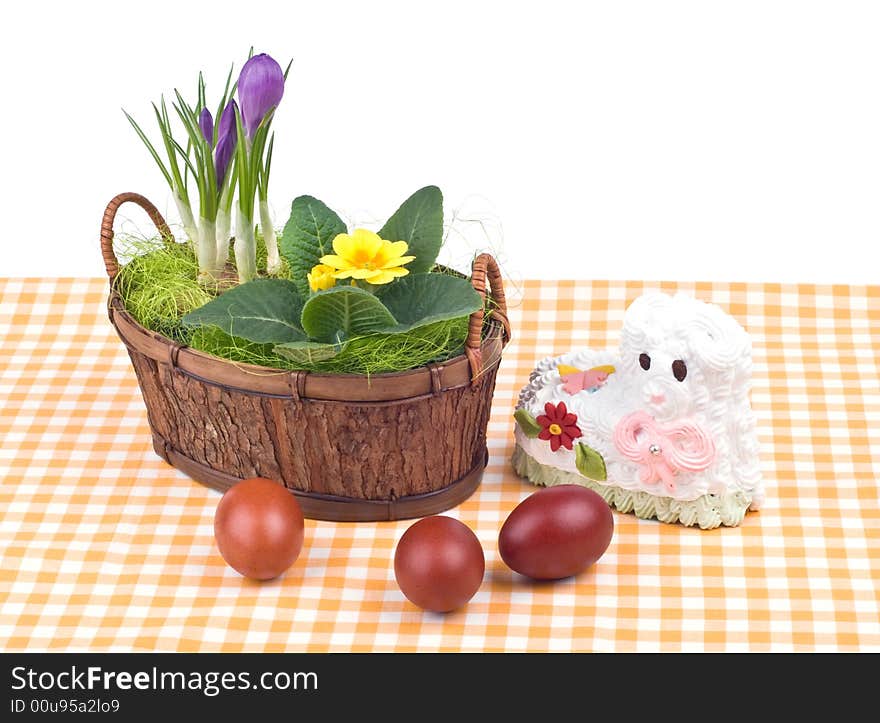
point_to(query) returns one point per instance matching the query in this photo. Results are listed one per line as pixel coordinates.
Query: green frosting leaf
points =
(342, 312)
(527, 423)
(308, 235)
(265, 311)
(419, 222)
(590, 463)
(420, 299)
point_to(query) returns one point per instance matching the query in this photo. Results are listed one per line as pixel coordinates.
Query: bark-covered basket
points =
(391, 446)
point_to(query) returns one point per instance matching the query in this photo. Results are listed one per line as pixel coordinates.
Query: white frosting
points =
(716, 351)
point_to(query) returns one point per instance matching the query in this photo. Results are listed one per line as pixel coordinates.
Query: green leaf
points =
(343, 312)
(419, 222)
(245, 181)
(308, 352)
(222, 104)
(150, 148)
(265, 311)
(265, 169)
(590, 463)
(420, 299)
(201, 101)
(527, 423)
(308, 235)
(184, 154)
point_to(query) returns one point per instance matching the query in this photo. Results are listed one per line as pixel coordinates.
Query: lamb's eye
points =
(679, 370)
(645, 361)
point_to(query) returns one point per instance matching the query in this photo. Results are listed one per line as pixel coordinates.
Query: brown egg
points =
(258, 526)
(556, 532)
(439, 564)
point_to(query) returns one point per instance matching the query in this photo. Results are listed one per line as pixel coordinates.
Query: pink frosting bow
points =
(663, 450)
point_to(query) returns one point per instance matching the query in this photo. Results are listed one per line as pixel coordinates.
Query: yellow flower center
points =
(364, 256)
(555, 429)
(361, 257)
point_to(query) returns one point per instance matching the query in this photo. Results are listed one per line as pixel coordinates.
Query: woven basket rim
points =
(421, 381)
(481, 353)
(494, 324)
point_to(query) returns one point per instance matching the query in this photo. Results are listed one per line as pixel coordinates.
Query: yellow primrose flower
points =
(321, 277)
(363, 255)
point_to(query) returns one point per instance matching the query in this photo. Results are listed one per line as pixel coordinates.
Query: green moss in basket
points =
(158, 282)
(354, 301)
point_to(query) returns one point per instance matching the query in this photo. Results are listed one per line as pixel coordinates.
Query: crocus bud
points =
(226, 141)
(260, 88)
(206, 123)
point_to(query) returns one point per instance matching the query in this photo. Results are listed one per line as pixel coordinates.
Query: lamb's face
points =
(659, 369)
(678, 354)
(664, 383)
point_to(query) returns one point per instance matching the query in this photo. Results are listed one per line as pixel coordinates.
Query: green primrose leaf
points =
(419, 222)
(527, 423)
(590, 463)
(307, 236)
(343, 312)
(265, 311)
(420, 299)
(308, 352)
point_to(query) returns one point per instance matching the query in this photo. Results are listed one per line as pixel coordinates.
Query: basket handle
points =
(485, 271)
(111, 263)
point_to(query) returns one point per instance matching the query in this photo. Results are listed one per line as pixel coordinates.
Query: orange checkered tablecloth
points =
(105, 547)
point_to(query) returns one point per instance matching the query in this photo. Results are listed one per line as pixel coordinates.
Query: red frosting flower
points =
(558, 425)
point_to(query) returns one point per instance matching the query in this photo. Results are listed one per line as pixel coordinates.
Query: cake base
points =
(707, 512)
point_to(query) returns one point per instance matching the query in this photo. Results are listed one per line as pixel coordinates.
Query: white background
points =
(677, 140)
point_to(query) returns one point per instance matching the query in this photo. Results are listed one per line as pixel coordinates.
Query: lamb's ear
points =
(717, 340)
(641, 318)
(647, 305)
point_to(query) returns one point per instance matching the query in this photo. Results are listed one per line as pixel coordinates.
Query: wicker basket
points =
(350, 448)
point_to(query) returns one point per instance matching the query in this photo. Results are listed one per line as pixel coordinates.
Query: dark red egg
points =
(259, 528)
(439, 564)
(556, 532)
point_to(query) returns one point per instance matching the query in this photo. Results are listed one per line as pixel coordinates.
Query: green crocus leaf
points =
(265, 311)
(419, 222)
(527, 423)
(420, 299)
(308, 352)
(590, 463)
(307, 236)
(343, 312)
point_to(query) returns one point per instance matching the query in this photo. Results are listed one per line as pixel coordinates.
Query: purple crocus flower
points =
(206, 123)
(226, 141)
(260, 87)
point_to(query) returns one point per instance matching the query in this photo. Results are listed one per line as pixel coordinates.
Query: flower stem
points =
(273, 261)
(207, 250)
(187, 219)
(224, 221)
(245, 248)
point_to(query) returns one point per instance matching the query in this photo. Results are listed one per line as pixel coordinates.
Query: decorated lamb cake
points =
(661, 427)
